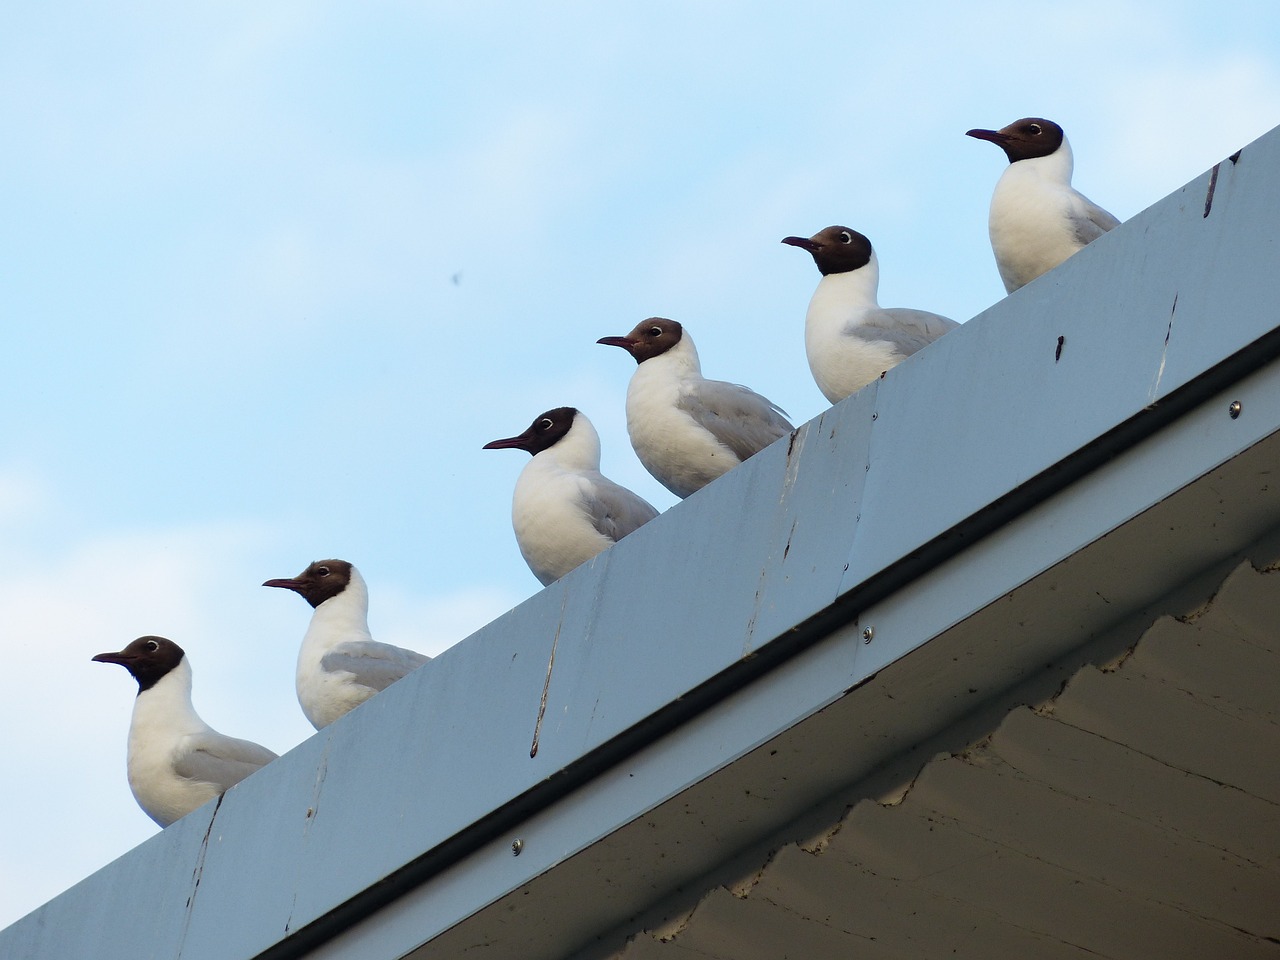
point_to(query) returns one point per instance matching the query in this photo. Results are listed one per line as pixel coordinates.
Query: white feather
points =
(565, 511)
(850, 340)
(176, 761)
(688, 430)
(340, 665)
(1038, 219)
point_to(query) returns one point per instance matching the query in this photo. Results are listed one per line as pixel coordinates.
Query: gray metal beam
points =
(972, 469)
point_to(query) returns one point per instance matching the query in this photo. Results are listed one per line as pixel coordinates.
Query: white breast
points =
(683, 456)
(548, 513)
(162, 718)
(326, 695)
(841, 358)
(1031, 218)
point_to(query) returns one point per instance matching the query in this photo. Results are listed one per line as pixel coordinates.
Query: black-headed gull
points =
(849, 338)
(1037, 218)
(176, 761)
(688, 430)
(340, 665)
(564, 510)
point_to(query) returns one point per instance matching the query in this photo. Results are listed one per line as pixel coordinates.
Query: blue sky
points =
(272, 274)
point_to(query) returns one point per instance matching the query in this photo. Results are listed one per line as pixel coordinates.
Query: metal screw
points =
(516, 846)
(868, 633)
(1234, 409)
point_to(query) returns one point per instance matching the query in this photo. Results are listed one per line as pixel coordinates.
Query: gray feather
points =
(1089, 221)
(375, 665)
(905, 329)
(222, 761)
(614, 510)
(739, 418)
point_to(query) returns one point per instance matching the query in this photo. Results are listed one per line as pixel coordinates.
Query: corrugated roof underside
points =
(1134, 815)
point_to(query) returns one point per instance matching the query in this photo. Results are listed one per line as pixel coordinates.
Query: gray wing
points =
(906, 329)
(376, 665)
(222, 761)
(613, 509)
(1089, 221)
(741, 419)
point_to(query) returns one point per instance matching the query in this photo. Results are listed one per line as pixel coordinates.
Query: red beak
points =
(119, 658)
(995, 136)
(626, 343)
(519, 443)
(287, 584)
(804, 243)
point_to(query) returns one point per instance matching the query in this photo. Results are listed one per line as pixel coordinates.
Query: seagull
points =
(340, 665)
(1037, 219)
(687, 430)
(849, 338)
(176, 761)
(564, 510)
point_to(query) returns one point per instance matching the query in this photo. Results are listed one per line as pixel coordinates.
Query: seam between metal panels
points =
(789, 644)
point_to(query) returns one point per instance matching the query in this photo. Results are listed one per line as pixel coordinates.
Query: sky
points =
(272, 274)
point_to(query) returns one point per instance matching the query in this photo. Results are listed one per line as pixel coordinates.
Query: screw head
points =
(1234, 409)
(868, 634)
(516, 846)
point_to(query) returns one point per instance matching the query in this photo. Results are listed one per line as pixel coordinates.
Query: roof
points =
(1021, 499)
(1133, 814)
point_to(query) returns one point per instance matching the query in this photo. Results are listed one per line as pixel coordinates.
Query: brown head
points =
(836, 249)
(545, 431)
(1024, 139)
(650, 338)
(148, 659)
(321, 581)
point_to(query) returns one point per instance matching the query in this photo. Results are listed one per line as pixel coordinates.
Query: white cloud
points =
(68, 718)
(24, 496)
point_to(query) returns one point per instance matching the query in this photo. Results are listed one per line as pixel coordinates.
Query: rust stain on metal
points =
(197, 873)
(790, 535)
(546, 686)
(1213, 185)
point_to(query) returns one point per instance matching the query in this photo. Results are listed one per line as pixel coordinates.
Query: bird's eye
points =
(1034, 128)
(655, 331)
(323, 571)
(845, 237)
(545, 423)
(152, 645)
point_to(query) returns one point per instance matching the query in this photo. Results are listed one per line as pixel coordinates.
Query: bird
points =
(1037, 218)
(340, 665)
(688, 430)
(849, 338)
(564, 510)
(176, 761)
